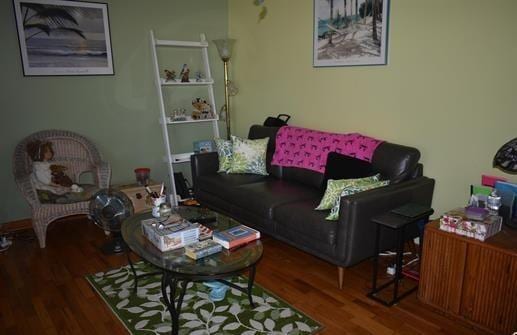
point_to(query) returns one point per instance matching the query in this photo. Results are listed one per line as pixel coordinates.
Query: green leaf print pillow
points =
(225, 153)
(249, 156)
(353, 189)
(336, 186)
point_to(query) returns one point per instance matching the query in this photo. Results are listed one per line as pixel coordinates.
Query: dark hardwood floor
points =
(43, 291)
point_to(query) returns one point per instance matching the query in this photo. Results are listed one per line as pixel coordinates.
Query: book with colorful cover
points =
(236, 236)
(506, 189)
(202, 249)
(205, 232)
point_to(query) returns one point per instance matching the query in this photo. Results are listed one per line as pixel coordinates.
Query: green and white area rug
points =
(145, 312)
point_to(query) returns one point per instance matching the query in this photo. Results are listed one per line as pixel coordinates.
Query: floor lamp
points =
(224, 47)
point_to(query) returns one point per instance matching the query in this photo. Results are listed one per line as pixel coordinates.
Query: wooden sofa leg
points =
(340, 275)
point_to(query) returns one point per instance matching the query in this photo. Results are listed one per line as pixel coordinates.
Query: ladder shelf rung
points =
(181, 44)
(190, 83)
(179, 158)
(191, 121)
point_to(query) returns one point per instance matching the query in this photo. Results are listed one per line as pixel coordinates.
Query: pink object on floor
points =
(306, 148)
(490, 180)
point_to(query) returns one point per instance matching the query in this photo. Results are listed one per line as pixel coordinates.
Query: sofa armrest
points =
(356, 231)
(203, 164)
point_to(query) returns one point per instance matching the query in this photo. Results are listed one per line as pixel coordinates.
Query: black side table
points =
(397, 219)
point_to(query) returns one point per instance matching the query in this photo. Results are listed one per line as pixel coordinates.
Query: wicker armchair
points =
(70, 149)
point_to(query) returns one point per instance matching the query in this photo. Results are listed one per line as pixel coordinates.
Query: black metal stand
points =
(397, 222)
(135, 276)
(115, 246)
(175, 281)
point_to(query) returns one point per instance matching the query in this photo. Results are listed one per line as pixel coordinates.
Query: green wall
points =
(119, 113)
(449, 88)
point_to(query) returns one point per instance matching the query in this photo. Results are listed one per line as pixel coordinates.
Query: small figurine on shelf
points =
(185, 74)
(170, 75)
(179, 114)
(199, 76)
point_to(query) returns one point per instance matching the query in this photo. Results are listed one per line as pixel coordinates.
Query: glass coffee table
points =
(178, 270)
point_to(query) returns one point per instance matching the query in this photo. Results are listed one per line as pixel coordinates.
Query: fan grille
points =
(108, 208)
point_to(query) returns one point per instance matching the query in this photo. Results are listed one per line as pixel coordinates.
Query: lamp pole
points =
(227, 99)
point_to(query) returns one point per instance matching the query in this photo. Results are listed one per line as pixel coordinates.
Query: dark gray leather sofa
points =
(282, 204)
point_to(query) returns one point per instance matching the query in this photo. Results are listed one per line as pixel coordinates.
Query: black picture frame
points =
(64, 38)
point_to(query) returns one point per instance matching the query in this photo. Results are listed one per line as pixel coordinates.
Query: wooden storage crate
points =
(138, 196)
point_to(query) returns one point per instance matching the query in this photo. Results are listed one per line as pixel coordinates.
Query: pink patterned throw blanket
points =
(306, 148)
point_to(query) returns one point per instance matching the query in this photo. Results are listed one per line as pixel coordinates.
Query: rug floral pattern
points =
(145, 312)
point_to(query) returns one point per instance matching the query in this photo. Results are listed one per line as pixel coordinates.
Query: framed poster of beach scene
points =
(63, 38)
(350, 32)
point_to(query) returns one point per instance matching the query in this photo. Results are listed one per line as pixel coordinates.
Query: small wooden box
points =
(138, 196)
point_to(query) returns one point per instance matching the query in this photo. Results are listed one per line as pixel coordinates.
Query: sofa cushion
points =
(262, 197)
(222, 183)
(301, 217)
(345, 167)
(303, 176)
(395, 162)
(224, 206)
(48, 197)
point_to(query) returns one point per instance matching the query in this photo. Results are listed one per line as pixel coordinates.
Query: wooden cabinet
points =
(138, 196)
(473, 280)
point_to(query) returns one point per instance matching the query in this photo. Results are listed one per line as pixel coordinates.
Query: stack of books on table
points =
(170, 235)
(236, 236)
(194, 237)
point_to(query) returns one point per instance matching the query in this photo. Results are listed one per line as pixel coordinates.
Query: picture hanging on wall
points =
(59, 38)
(350, 32)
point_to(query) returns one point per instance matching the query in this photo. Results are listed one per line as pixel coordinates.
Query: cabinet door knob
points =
(138, 196)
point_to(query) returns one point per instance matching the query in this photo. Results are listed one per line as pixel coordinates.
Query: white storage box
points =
(172, 236)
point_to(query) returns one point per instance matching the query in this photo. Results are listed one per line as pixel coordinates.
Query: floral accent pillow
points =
(249, 156)
(225, 153)
(335, 187)
(353, 189)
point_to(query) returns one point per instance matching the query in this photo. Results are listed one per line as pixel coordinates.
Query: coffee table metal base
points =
(179, 282)
(133, 270)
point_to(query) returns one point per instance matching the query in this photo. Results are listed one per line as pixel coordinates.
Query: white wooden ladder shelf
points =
(166, 123)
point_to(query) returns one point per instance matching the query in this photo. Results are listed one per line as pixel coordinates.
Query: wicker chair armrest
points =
(29, 193)
(103, 174)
